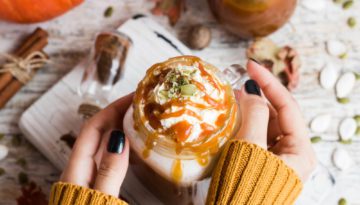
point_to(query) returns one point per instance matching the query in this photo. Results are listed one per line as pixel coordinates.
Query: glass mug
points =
(252, 18)
(178, 174)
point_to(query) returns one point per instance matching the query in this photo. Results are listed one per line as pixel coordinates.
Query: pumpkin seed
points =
(338, 1)
(342, 159)
(320, 123)
(347, 128)
(343, 100)
(188, 89)
(348, 4)
(21, 162)
(357, 76)
(109, 11)
(4, 151)
(357, 119)
(2, 171)
(315, 139)
(351, 22)
(357, 133)
(336, 48)
(349, 141)
(1, 136)
(342, 201)
(328, 76)
(343, 56)
(23, 178)
(345, 84)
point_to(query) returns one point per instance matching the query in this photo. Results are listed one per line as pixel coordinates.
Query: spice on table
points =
(348, 4)
(315, 139)
(23, 178)
(199, 37)
(351, 22)
(2, 171)
(109, 11)
(342, 201)
(23, 65)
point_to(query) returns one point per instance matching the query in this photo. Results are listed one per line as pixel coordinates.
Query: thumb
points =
(254, 114)
(113, 165)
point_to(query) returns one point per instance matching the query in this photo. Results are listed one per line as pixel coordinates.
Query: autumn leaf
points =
(171, 8)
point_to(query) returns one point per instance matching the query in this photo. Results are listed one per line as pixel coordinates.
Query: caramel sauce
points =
(179, 132)
(176, 170)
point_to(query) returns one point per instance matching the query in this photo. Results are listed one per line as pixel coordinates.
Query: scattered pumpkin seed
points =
(16, 140)
(109, 11)
(343, 56)
(351, 22)
(315, 139)
(357, 131)
(2, 171)
(349, 141)
(22, 162)
(357, 119)
(1, 136)
(338, 1)
(342, 201)
(343, 100)
(188, 89)
(348, 4)
(23, 178)
(357, 76)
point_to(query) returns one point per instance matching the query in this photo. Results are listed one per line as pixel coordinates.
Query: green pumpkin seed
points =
(343, 56)
(315, 139)
(357, 131)
(338, 1)
(342, 201)
(343, 100)
(2, 171)
(351, 22)
(23, 178)
(349, 141)
(188, 89)
(109, 11)
(357, 76)
(357, 119)
(348, 4)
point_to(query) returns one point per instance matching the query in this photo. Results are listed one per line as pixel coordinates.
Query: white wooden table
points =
(71, 37)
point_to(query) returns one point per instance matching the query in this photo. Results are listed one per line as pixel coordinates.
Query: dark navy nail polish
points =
(116, 142)
(253, 59)
(252, 87)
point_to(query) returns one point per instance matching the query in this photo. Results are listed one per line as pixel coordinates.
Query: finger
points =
(254, 115)
(274, 130)
(290, 119)
(88, 141)
(113, 165)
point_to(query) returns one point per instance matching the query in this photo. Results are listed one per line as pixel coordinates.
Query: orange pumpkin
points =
(31, 11)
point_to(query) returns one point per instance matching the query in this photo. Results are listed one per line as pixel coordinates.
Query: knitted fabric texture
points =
(70, 194)
(248, 174)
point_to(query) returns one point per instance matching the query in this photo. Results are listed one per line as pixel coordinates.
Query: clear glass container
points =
(104, 68)
(178, 173)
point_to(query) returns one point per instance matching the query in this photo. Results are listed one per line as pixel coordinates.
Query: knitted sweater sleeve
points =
(71, 194)
(248, 174)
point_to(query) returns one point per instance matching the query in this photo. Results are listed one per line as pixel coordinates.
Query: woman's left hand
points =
(100, 157)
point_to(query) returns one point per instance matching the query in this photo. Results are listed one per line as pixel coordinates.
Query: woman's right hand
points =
(271, 118)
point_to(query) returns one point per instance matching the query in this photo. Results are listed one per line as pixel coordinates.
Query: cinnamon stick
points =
(35, 42)
(9, 85)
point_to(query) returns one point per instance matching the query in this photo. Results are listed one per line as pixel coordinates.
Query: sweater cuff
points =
(248, 174)
(69, 194)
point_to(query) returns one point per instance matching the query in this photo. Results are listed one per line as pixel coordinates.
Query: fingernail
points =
(116, 143)
(253, 59)
(252, 87)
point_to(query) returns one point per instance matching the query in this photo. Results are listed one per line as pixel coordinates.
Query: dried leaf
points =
(32, 194)
(283, 62)
(171, 8)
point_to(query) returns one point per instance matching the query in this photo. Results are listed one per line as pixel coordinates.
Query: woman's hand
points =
(99, 159)
(272, 120)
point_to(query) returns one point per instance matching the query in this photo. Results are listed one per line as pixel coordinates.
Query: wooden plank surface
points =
(71, 37)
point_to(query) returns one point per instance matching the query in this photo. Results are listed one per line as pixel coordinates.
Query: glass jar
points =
(172, 169)
(104, 68)
(252, 18)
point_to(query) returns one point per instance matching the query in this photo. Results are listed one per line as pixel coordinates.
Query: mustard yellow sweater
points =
(245, 174)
